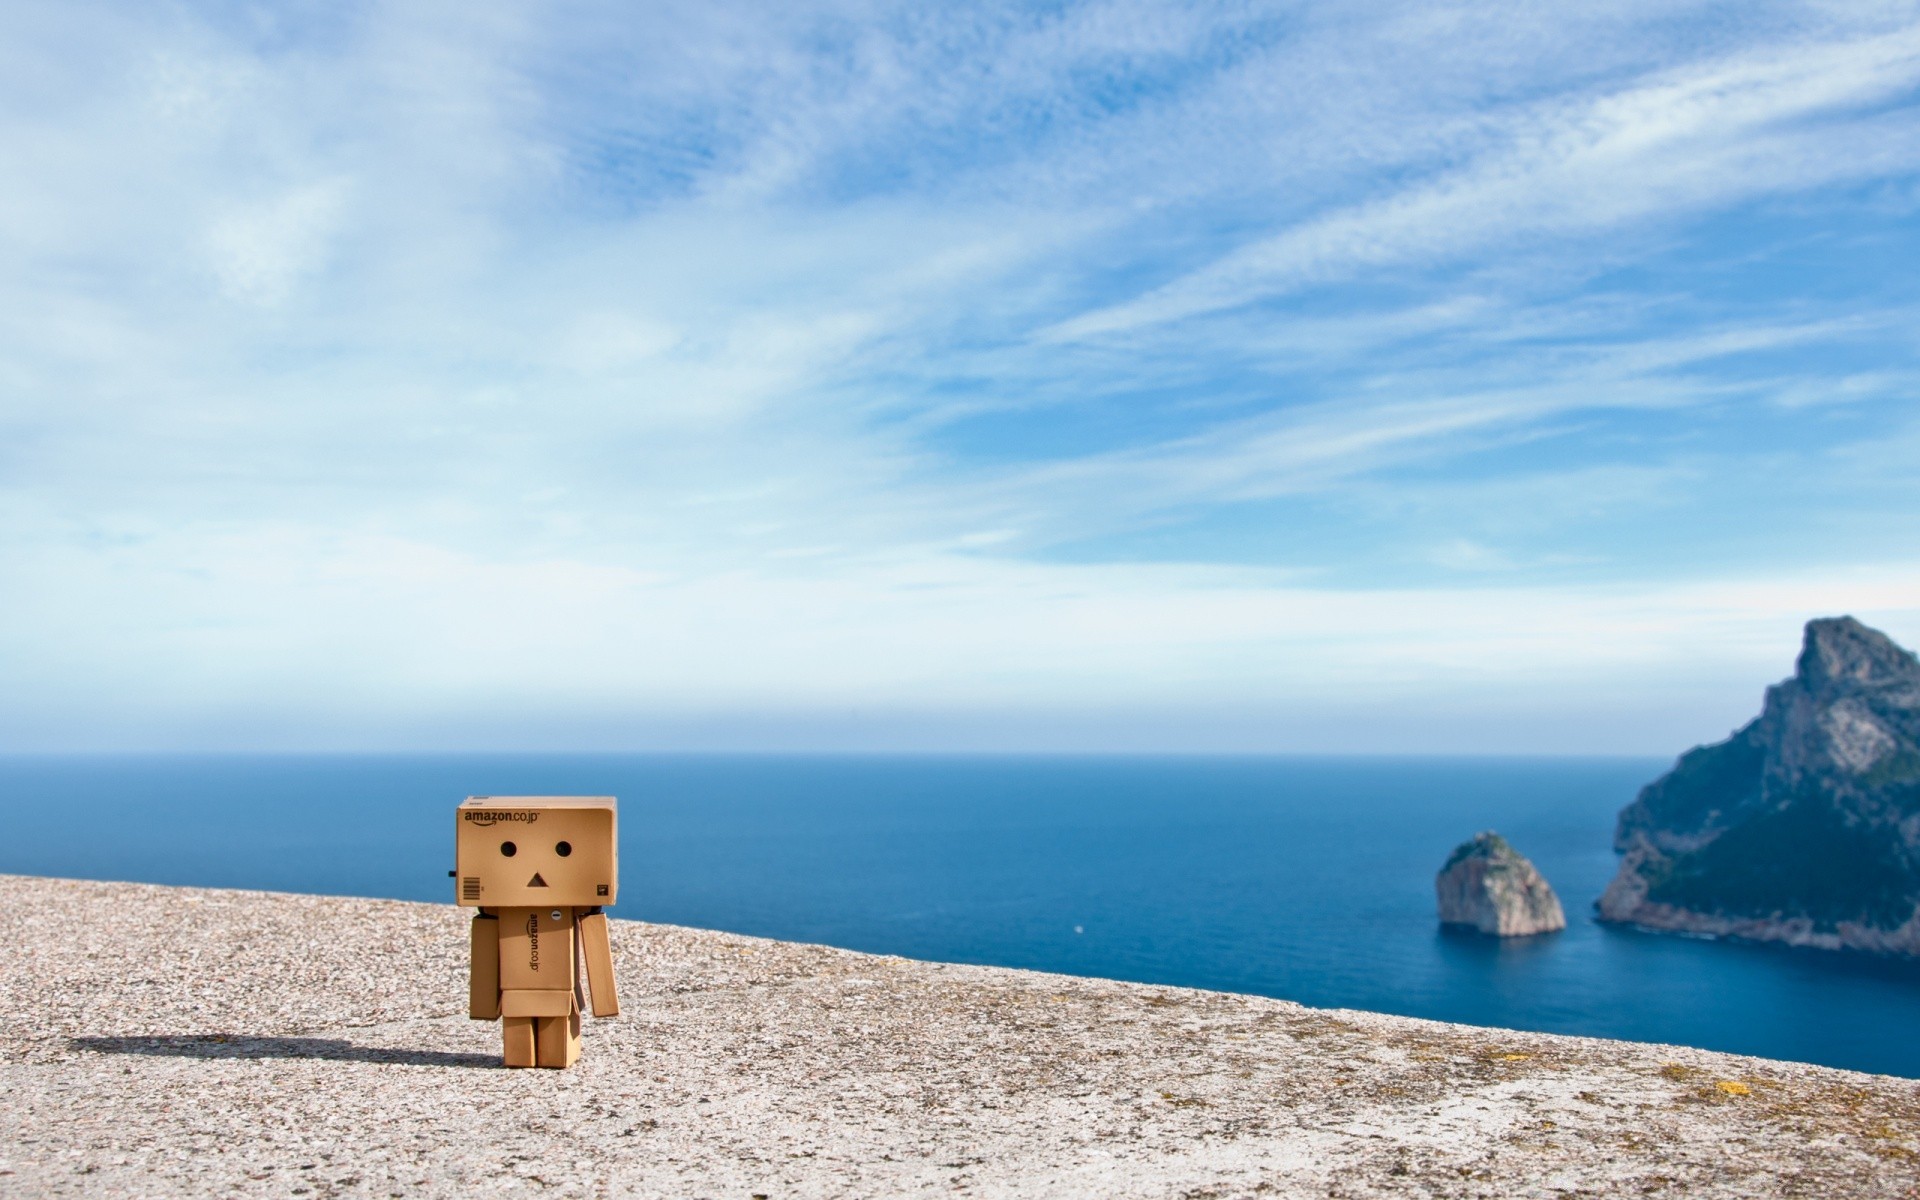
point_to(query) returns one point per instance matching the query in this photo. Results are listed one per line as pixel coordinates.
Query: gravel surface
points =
(180, 1041)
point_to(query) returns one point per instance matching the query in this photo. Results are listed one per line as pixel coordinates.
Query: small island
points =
(1488, 885)
(1804, 826)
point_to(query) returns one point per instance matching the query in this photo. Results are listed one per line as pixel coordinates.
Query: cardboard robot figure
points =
(538, 869)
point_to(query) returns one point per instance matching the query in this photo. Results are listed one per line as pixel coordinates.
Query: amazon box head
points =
(536, 851)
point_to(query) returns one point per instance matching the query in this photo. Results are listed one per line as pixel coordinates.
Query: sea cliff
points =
(1804, 826)
(187, 1042)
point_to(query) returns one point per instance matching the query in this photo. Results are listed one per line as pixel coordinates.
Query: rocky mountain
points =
(1804, 826)
(1489, 885)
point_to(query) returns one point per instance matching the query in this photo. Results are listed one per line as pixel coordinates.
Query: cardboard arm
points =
(483, 989)
(599, 955)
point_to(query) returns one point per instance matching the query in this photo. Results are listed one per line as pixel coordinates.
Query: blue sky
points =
(1358, 377)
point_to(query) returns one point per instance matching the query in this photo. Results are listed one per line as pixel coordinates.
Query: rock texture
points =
(181, 1042)
(1804, 826)
(1490, 886)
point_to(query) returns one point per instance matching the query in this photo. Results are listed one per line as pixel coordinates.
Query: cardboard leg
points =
(483, 991)
(559, 1040)
(518, 1034)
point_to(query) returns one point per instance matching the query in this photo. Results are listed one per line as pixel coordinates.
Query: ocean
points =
(1304, 878)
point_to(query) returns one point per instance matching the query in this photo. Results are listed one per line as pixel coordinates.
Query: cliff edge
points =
(1804, 826)
(188, 1042)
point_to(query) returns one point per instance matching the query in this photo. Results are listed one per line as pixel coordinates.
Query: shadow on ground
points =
(238, 1045)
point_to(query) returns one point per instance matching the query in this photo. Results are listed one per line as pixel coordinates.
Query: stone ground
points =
(174, 1041)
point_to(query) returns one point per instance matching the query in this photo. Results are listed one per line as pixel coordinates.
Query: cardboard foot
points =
(518, 1035)
(559, 1040)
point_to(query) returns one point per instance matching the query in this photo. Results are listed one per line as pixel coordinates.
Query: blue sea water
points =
(1304, 878)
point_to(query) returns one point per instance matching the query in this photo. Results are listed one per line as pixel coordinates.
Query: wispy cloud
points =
(447, 370)
(1705, 135)
(1430, 418)
(407, 643)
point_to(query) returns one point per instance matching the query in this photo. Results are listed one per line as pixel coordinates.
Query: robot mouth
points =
(536, 881)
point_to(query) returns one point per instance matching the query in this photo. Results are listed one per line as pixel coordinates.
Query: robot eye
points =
(563, 849)
(509, 849)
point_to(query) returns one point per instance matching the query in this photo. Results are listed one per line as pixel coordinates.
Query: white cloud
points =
(261, 251)
(1465, 554)
(424, 369)
(309, 637)
(1708, 134)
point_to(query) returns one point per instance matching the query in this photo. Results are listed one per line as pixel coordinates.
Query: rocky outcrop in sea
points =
(1804, 826)
(1489, 885)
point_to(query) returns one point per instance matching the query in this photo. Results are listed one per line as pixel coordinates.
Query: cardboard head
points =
(535, 851)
